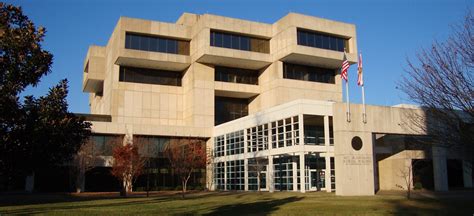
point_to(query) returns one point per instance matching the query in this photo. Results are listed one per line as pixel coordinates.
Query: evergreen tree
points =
(35, 132)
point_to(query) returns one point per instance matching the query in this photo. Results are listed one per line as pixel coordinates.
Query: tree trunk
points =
(80, 181)
(258, 181)
(30, 182)
(126, 186)
(183, 191)
(185, 183)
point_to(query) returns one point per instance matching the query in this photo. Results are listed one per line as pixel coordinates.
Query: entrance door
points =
(321, 179)
(317, 179)
(263, 182)
(313, 179)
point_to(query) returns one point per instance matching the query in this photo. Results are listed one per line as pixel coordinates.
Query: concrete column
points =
(246, 174)
(467, 173)
(245, 142)
(270, 175)
(269, 138)
(225, 162)
(302, 177)
(295, 176)
(246, 163)
(301, 131)
(327, 175)
(440, 171)
(326, 132)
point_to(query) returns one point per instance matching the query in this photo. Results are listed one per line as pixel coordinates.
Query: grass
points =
(232, 203)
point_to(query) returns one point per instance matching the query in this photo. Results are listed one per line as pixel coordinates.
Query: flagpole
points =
(348, 112)
(345, 76)
(364, 114)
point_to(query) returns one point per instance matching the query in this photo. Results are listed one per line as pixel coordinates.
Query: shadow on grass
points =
(50, 198)
(450, 203)
(70, 203)
(18, 199)
(256, 208)
(73, 206)
(64, 201)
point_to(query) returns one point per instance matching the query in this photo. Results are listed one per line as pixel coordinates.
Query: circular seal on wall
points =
(356, 143)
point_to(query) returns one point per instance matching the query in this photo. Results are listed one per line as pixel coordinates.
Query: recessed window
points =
(308, 73)
(227, 109)
(236, 75)
(240, 42)
(150, 76)
(156, 44)
(323, 41)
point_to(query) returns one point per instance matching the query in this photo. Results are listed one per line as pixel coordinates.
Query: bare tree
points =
(257, 165)
(413, 150)
(84, 160)
(441, 81)
(186, 155)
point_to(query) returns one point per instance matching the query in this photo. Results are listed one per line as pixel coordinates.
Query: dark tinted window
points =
(236, 40)
(245, 43)
(301, 38)
(236, 75)
(156, 44)
(153, 46)
(228, 42)
(227, 109)
(172, 46)
(104, 144)
(150, 76)
(333, 44)
(240, 42)
(310, 40)
(308, 73)
(318, 40)
(135, 41)
(144, 43)
(323, 41)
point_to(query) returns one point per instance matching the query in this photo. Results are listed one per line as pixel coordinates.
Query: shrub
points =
(418, 186)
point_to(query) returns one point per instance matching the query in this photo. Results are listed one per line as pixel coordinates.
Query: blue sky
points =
(388, 32)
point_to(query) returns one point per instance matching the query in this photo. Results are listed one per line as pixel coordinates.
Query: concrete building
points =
(266, 98)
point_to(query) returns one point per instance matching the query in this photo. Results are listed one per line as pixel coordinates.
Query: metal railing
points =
(311, 140)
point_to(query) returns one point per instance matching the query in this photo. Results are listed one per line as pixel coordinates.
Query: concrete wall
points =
(192, 103)
(355, 173)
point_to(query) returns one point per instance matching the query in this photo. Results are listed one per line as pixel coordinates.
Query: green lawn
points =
(233, 203)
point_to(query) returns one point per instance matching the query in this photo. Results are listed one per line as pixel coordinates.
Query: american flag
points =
(344, 67)
(360, 79)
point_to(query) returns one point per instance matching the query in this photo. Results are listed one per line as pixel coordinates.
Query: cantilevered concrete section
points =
(267, 98)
